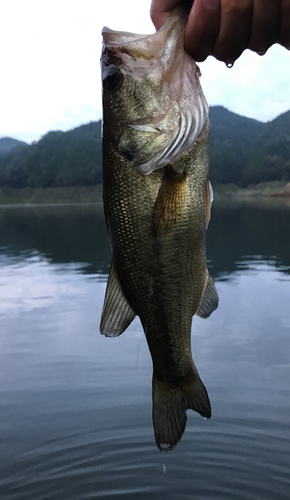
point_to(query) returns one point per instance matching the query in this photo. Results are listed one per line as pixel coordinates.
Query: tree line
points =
(242, 151)
(70, 158)
(245, 151)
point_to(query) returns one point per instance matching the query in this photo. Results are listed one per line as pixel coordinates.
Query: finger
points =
(265, 25)
(284, 37)
(202, 28)
(234, 31)
(161, 10)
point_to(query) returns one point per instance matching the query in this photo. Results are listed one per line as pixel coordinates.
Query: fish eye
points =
(112, 77)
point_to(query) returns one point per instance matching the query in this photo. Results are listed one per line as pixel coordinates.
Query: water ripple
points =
(228, 460)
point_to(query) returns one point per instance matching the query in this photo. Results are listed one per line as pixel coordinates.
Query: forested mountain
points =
(269, 158)
(242, 151)
(7, 143)
(70, 158)
(246, 151)
(231, 144)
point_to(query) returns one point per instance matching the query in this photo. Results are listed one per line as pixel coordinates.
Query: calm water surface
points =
(75, 407)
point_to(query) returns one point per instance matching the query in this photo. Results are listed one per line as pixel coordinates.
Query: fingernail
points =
(212, 4)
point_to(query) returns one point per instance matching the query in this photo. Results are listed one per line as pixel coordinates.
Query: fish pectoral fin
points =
(117, 314)
(170, 203)
(209, 300)
(169, 409)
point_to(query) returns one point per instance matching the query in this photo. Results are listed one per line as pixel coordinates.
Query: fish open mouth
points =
(179, 112)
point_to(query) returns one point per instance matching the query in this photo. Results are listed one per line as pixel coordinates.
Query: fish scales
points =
(157, 207)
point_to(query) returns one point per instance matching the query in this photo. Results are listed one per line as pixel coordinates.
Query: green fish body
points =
(157, 206)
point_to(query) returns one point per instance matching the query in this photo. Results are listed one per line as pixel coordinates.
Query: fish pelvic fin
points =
(169, 409)
(117, 314)
(209, 300)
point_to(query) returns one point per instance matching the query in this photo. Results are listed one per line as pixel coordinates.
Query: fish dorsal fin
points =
(208, 201)
(209, 300)
(117, 313)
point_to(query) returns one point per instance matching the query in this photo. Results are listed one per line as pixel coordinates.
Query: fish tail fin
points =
(169, 409)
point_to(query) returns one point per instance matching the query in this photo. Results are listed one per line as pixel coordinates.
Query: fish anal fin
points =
(170, 202)
(169, 409)
(209, 300)
(117, 314)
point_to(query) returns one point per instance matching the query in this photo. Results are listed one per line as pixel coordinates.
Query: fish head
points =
(152, 98)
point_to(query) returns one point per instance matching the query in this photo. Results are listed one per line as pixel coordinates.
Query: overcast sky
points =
(50, 70)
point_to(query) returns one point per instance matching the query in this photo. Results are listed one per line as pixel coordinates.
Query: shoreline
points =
(69, 195)
(266, 190)
(75, 195)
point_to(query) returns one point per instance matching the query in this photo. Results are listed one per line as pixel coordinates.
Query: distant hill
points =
(269, 157)
(242, 151)
(7, 143)
(231, 142)
(246, 151)
(70, 158)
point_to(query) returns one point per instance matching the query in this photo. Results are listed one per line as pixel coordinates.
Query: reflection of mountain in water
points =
(62, 234)
(76, 234)
(239, 233)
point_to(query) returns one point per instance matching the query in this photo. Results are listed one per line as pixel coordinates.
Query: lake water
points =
(75, 407)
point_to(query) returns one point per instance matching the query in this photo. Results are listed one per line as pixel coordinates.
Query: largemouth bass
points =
(157, 200)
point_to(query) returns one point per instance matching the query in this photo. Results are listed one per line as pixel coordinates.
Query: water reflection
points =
(75, 407)
(241, 232)
(77, 234)
(62, 234)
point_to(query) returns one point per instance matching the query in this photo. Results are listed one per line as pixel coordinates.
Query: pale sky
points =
(50, 69)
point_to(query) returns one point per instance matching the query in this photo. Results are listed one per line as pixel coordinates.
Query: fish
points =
(157, 203)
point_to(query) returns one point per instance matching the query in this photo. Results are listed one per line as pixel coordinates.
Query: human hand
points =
(225, 28)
